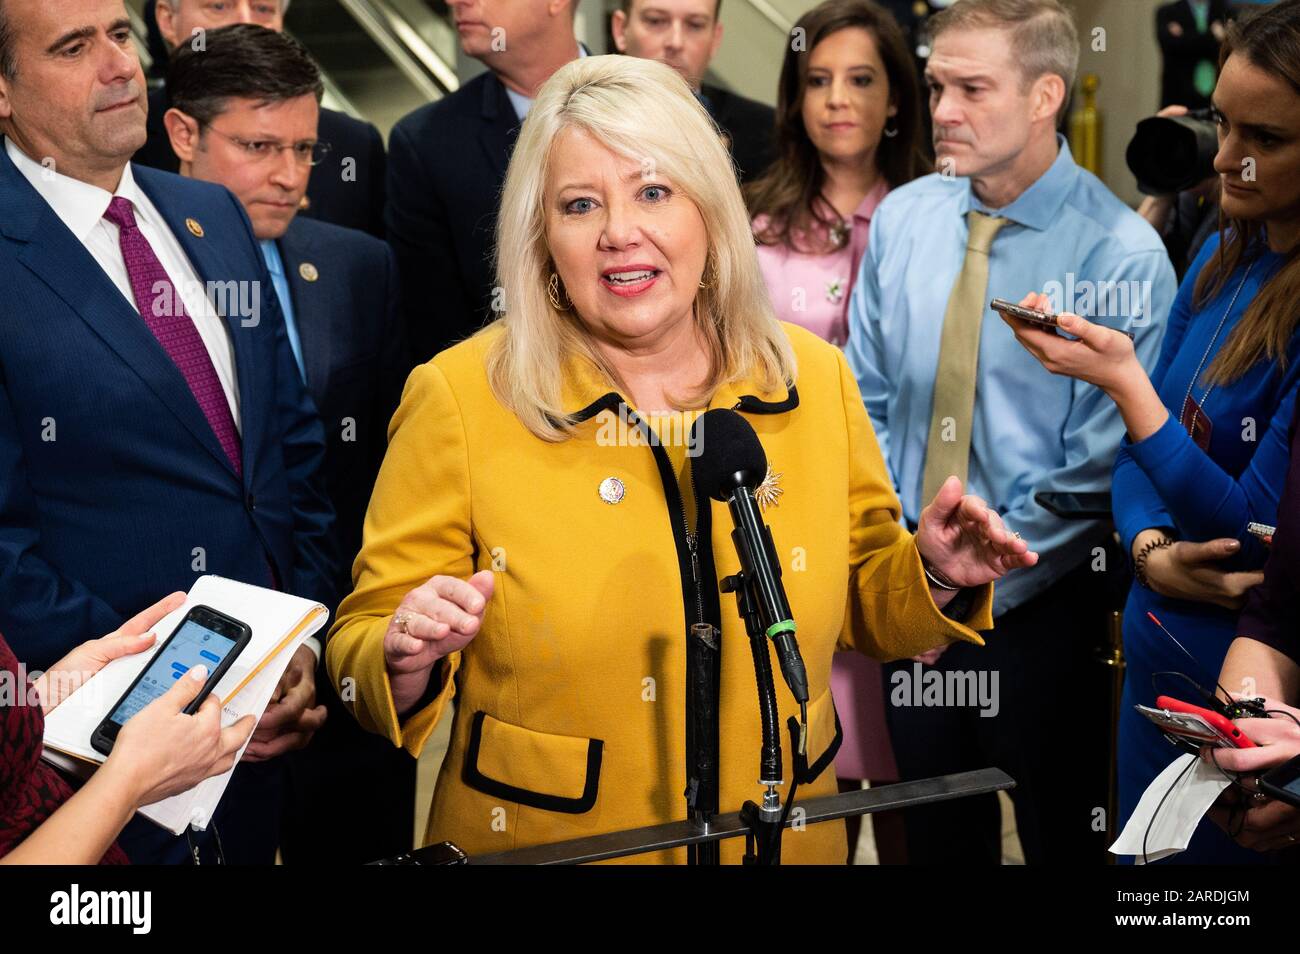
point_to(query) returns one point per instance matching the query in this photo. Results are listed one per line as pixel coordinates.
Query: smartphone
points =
(1263, 531)
(444, 853)
(1032, 315)
(204, 636)
(1068, 506)
(1283, 782)
(1042, 319)
(1195, 724)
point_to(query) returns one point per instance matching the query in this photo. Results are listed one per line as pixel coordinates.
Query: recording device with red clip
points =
(1189, 726)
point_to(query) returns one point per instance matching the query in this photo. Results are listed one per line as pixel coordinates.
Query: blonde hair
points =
(645, 111)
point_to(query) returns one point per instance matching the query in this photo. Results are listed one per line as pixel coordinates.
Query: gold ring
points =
(401, 619)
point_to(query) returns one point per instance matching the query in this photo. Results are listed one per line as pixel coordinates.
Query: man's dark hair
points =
(627, 8)
(8, 64)
(243, 61)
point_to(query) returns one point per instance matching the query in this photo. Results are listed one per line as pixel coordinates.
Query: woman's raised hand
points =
(434, 620)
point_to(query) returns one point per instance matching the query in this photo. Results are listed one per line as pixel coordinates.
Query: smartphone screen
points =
(191, 645)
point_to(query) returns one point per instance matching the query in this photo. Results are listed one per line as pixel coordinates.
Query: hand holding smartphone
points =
(1033, 316)
(204, 636)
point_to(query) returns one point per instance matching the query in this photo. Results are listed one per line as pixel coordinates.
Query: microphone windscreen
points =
(725, 444)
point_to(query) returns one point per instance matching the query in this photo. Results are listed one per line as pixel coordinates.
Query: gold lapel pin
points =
(768, 492)
(308, 272)
(195, 229)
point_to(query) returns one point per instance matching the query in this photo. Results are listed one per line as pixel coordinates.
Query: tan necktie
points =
(948, 450)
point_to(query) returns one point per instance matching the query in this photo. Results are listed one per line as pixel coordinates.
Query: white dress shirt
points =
(81, 207)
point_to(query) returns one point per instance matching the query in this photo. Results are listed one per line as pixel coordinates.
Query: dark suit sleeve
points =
(378, 183)
(434, 297)
(395, 353)
(43, 614)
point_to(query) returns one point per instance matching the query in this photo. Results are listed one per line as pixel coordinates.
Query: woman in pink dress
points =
(849, 129)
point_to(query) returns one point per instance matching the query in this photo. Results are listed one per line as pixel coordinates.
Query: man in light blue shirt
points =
(997, 92)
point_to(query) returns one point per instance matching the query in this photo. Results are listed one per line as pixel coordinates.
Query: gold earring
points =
(710, 273)
(553, 293)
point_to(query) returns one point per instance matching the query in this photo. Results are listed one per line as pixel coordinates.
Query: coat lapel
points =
(310, 308)
(500, 125)
(52, 253)
(208, 253)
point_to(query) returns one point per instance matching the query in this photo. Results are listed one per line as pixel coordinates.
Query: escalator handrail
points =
(408, 50)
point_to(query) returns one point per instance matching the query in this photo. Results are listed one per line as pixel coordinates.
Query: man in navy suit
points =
(686, 35)
(153, 424)
(347, 187)
(244, 115)
(447, 162)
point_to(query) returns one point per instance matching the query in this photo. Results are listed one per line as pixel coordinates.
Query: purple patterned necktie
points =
(165, 314)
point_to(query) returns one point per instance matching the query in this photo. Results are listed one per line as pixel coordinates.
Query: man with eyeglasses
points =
(154, 426)
(244, 115)
(347, 186)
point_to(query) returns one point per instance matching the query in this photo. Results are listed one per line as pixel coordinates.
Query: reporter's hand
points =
(1268, 824)
(161, 751)
(134, 636)
(292, 717)
(433, 621)
(1190, 571)
(1097, 354)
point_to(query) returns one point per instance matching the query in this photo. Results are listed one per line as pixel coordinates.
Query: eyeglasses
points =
(307, 153)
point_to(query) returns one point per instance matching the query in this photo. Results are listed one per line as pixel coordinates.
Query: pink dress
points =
(813, 291)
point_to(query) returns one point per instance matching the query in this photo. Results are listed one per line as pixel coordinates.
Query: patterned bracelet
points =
(1140, 561)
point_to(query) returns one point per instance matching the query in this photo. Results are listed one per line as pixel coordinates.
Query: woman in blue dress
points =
(1207, 446)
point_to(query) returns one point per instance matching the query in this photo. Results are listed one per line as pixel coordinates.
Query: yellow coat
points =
(569, 715)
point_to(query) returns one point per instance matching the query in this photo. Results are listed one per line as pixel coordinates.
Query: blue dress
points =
(1168, 481)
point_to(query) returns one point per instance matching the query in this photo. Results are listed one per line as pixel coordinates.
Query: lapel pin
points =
(768, 492)
(308, 272)
(195, 229)
(612, 490)
(304, 204)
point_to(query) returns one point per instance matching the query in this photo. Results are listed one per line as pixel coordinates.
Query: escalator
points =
(381, 59)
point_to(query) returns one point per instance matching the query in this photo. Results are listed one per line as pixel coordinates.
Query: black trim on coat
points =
(753, 405)
(551, 803)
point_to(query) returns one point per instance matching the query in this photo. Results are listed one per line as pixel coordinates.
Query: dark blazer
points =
(446, 165)
(1182, 53)
(750, 125)
(345, 303)
(350, 195)
(113, 488)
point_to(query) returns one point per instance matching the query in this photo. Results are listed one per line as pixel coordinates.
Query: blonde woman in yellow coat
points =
(533, 552)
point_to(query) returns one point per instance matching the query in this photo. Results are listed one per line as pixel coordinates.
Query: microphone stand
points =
(763, 842)
(703, 682)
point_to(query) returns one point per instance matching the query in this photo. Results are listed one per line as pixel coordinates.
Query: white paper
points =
(270, 615)
(1179, 814)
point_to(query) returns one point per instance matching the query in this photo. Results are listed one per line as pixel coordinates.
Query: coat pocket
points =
(824, 736)
(558, 773)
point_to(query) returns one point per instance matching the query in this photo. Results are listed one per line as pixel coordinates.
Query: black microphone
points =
(730, 465)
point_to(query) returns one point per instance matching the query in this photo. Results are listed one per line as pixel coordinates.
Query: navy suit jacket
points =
(446, 165)
(113, 488)
(344, 288)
